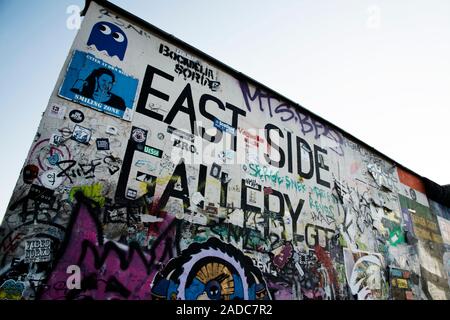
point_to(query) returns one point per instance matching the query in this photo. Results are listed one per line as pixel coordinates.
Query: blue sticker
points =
(396, 273)
(222, 126)
(99, 85)
(109, 37)
(53, 159)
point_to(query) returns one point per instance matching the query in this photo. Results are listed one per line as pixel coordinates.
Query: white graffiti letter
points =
(73, 22)
(374, 18)
(74, 280)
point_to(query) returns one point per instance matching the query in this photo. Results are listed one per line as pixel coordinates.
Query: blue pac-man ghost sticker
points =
(109, 37)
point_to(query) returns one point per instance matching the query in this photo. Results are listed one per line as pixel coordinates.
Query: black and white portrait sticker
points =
(81, 134)
(215, 170)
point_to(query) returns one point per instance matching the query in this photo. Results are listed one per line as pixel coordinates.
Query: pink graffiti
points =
(314, 294)
(281, 291)
(108, 270)
(283, 257)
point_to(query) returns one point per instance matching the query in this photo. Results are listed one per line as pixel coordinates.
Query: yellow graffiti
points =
(402, 283)
(9, 296)
(427, 235)
(419, 220)
(93, 192)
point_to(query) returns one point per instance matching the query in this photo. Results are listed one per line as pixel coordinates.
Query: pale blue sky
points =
(379, 69)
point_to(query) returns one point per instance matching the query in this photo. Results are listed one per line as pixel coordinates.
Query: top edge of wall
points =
(236, 74)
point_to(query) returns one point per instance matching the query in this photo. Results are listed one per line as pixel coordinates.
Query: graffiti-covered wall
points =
(159, 173)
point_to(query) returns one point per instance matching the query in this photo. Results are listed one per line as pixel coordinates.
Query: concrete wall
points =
(180, 181)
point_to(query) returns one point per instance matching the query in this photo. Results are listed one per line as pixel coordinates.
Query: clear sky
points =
(379, 69)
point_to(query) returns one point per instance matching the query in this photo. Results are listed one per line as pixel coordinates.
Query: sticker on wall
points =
(131, 193)
(365, 274)
(226, 157)
(57, 111)
(225, 178)
(111, 130)
(50, 179)
(400, 284)
(444, 226)
(197, 199)
(143, 177)
(81, 134)
(180, 134)
(190, 70)
(215, 170)
(153, 151)
(55, 140)
(413, 194)
(211, 208)
(109, 37)
(99, 85)
(139, 135)
(76, 116)
(282, 257)
(41, 194)
(212, 270)
(38, 250)
(53, 159)
(30, 172)
(102, 143)
(225, 127)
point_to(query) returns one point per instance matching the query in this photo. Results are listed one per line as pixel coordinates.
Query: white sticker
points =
(50, 179)
(197, 198)
(179, 215)
(56, 111)
(128, 114)
(147, 218)
(55, 139)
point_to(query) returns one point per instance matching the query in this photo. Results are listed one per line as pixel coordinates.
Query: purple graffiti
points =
(283, 257)
(109, 270)
(287, 112)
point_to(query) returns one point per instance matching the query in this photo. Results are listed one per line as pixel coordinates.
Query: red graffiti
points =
(325, 259)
